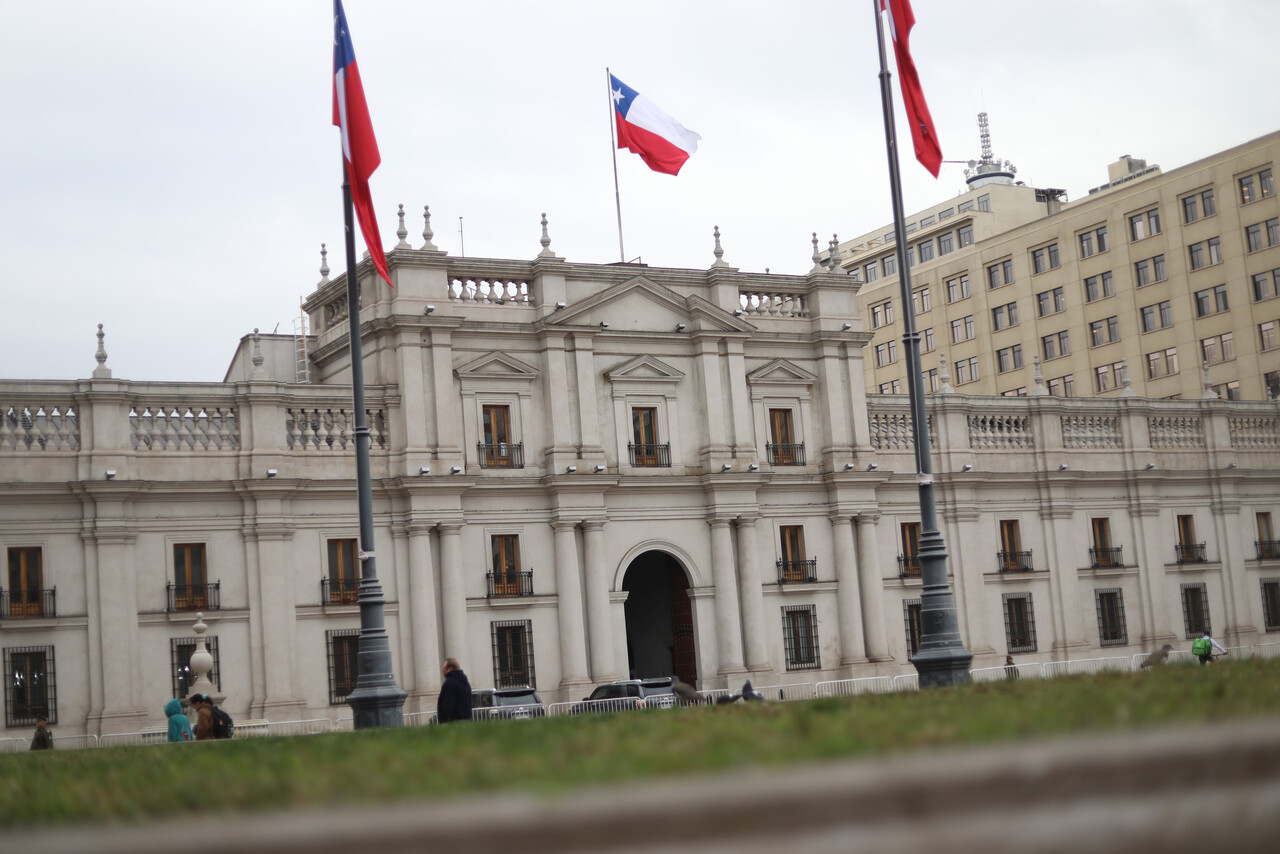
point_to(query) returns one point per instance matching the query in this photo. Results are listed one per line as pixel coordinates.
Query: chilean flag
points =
(359, 148)
(661, 141)
(923, 136)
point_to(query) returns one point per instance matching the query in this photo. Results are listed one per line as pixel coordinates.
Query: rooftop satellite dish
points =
(972, 163)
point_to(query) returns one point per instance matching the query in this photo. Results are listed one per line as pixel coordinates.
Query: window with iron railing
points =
(785, 455)
(190, 590)
(790, 571)
(1105, 558)
(911, 617)
(650, 456)
(194, 597)
(1019, 561)
(503, 455)
(28, 604)
(26, 595)
(1195, 610)
(1271, 604)
(343, 648)
(339, 591)
(343, 583)
(1267, 544)
(908, 566)
(506, 585)
(793, 565)
(1267, 549)
(1112, 630)
(800, 637)
(30, 686)
(1019, 622)
(1189, 553)
(513, 654)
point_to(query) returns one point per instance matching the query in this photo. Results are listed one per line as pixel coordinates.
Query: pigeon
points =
(1158, 657)
(751, 695)
(726, 699)
(684, 691)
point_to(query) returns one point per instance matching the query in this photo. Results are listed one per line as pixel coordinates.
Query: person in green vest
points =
(1203, 647)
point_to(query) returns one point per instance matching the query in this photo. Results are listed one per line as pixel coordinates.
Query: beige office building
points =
(1144, 281)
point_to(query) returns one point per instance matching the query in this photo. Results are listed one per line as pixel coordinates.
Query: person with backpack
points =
(211, 722)
(1203, 647)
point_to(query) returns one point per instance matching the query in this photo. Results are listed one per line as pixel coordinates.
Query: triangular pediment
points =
(644, 369)
(642, 305)
(781, 372)
(496, 365)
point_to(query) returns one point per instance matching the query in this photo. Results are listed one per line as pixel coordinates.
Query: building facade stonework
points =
(587, 472)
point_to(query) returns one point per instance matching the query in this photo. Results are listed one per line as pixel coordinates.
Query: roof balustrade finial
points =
(102, 372)
(545, 240)
(944, 376)
(402, 232)
(718, 251)
(817, 256)
(257, 349)
(835, 254)
(427, 233)
(1209, 393)
(1040, 389)
(324, 264)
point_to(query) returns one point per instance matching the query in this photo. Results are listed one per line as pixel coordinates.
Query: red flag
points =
(923, 136)
(359, 148)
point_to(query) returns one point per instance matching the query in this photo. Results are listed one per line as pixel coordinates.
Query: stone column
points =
(271, 541)
(1061, 559)
(447, 422)
(712, 391)
(113, 626)
(1234, 547)
(422, 624)
(752, 597)
(728, 627)
(1152, 552)
(852, 645)
(453, 593)
(599, 625)
(573, 658)
(871, 586)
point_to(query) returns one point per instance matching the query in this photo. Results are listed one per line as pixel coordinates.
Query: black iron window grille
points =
(1019, 622)
(501, 455)
(1112, 630)
(180, 652)
(20, 604)
(1267, 549)
(800, 637)
(908, 566)
(1106, 557)
(790, 571)
(30, 686)
(343, 650)
(1014, 561)
(650, 456)
(510, 584)
(1195, 610)
(1271, 604)
(1189, 552)
(195, 597)
(911, 616)
(339, 591)
(513, 654)
(785, 454)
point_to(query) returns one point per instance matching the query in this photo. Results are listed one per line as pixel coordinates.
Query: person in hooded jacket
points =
(204, 716)
(179, 726)
(454, 702)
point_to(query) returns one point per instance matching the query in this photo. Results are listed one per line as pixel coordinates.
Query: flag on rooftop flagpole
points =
(923, 136)
(359, 147)
(661, 141)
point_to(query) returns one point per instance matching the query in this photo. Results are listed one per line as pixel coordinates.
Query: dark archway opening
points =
(659, 619)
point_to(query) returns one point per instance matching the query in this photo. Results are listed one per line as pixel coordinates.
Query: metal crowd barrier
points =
(853, 687)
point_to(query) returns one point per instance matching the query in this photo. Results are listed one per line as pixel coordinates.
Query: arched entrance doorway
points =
(659, 619)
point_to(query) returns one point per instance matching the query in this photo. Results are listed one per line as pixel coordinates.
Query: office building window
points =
(1000, 274)
(1218, 348)
(911, 617)
(1162, 363)
(967, 370)
(871, 271)
(1256, 186)
(1198, 205)
(1020, 391)
(886, 353)
(1051, 301)
(1271, 380)
(891, 387)
(1267, 335)
(1111, 626)
(1227, 391)
(881, 314)
(1093, 241)
(924, 250)
(1105, 331)
(965, 206)
(927, 344)
(1063, 386)
(343, 647)
(1205, 253)
(800, 637)
(921, 301)
(1149, 270)
(1099, 287)
(962, 329)
(1045, 258)
(931, 379)
(1055, 345)
(1266, 285)
(984, 202)
(1004, 316)
(958, 288)
(1108, 377)
(965, 235)
(1009, 359)
(1273, 231)
(948, 213)
(890, 265)
(1019, 622)
(513, 654)
(1144, 225)
(1195, 610)
(927, 221)
(1211, 301)
(1253, 237)
(180, 652)
(1156, 316)
(946, 243)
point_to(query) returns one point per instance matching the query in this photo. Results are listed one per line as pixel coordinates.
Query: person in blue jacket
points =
(179, 726)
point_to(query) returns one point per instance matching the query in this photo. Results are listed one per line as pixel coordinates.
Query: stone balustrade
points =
(758, 303)
(29, 425)
(183, 427)
(489, 290)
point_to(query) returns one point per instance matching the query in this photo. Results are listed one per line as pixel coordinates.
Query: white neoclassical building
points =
(583, 472)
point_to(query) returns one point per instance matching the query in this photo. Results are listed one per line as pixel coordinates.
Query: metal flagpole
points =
(942, 659)
(613, 127)
(377, 700)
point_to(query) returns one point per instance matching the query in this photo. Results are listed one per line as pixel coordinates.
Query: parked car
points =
(512, 703)
(628, 694)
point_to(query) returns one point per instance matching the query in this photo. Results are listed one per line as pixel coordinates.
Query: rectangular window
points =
(1227, 391)
(1101, 527)
(1004, 316)
(1149, 270)
(1218, 348)
(1051, 301)
(513, 654)
(344, 573)
(1105, 331)
(1055, 345)
(881, 314)
(343, 650)
(1271, 604)
(994, 279)
(1162, 363)
(1009, 359)
(886, 353)
(508, 580)
(180, 652)
(925, 250)
(891, 387)
(928, 345)
(890, 265)
(1267, 335)
(1019, 622)
(957, 288)
(1256, 186)
(30, 686)
(1266, 285)
(1253, 237)
(26, 595)
(931, 380)
(1012, 557)
(784, 443)
(965, 235)
(1186, 538)
(190, 588)
(1099, 287)
(946, 243)
(946, 214)
(1273, 231)
(1111, 626)
(872, 271)
(965, 206)
(1198, 205)
(962, 329)
(1267, 545)
(1108, 377)
(1063, 386)
(646, 450)
(497, 450)
(984, 202)
(967, 370)
(921, 301)
(1211, 301)
(794, 566)
(1195, 610)
(911, 617)
(1144, 225)
(800, 637)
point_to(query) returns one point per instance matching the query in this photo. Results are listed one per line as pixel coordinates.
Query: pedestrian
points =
(204, 716)
(1010, 669)
(454, 702)
(1158, 657)
(1203, 647)
(179, 726)
(43, 738)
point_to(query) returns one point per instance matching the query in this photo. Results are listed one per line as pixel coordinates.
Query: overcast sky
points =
(170, 170)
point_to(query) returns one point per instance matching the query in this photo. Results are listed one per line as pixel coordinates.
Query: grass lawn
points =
(553, 754)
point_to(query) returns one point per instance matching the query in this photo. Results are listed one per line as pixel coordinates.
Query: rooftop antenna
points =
(988, 170)
(461, 241)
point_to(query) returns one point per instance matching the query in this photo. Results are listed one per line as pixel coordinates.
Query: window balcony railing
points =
(908, 566)
(339, 591)
(1267, 549)
(1014, 561)
(15, 605)
(503, 455)
(792, 571)
(195, 597)
(785, 455)
(510, 585)
(650, 456)
(1106, 557)
(1189, 552)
